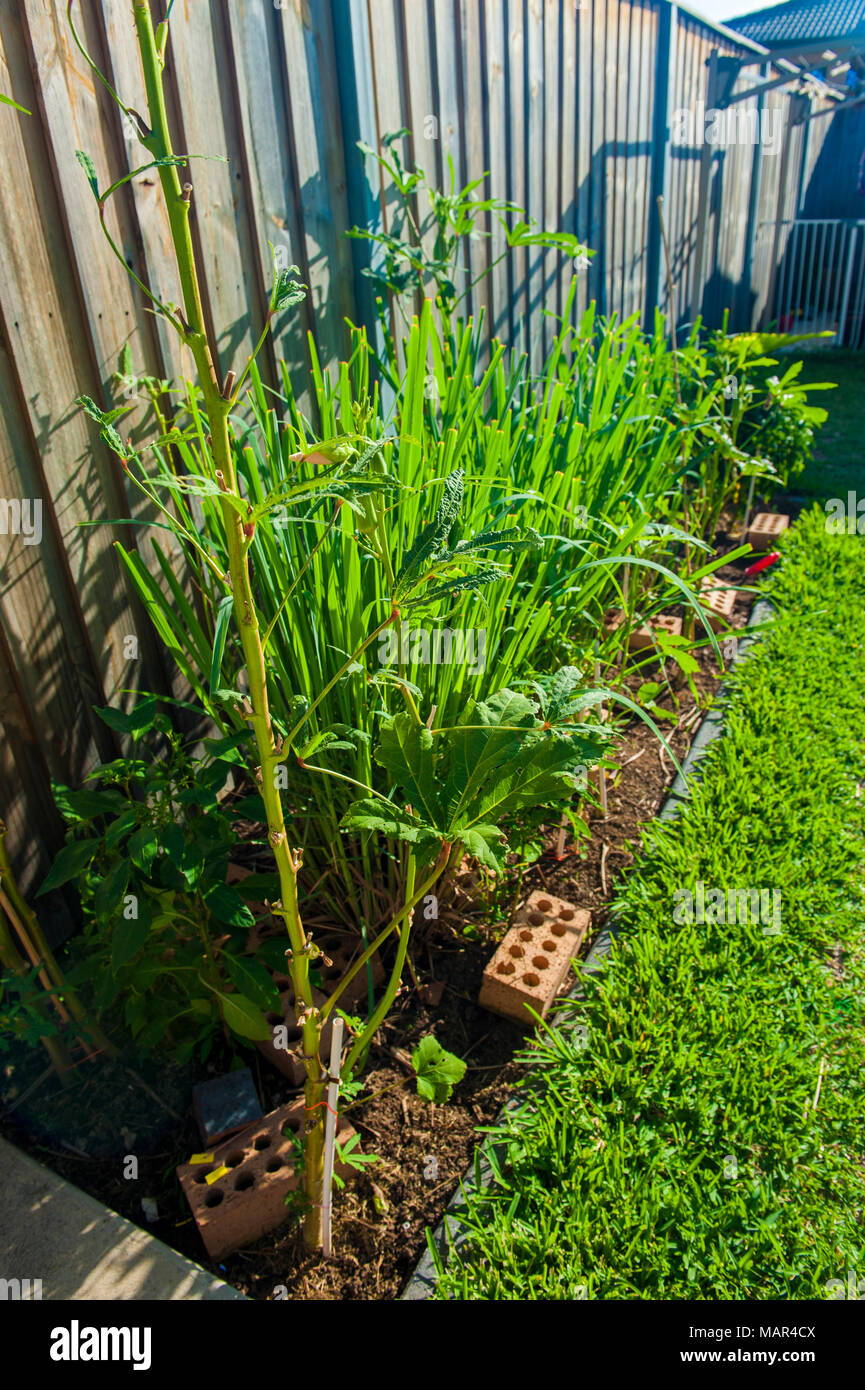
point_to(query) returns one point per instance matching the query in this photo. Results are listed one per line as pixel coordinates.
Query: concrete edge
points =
(422, 1283)
(57, 1243)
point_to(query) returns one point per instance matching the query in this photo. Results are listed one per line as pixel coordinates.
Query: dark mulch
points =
(380, 1219)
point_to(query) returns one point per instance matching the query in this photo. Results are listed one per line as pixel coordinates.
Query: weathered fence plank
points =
(558, 99)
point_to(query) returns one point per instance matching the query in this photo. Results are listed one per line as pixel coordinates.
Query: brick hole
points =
(274, 1165)
(544, 904)
(557, 929)
(201, 1175)
(244, 1182)
(261, 1142)
(517, 951)
(549, 945)
(525, 936)
(234, 1159)
(213, 1198)
(540, 963)
(505, 967)
(567, 914)
(536, 919)
(292, 1123)
(531, 979)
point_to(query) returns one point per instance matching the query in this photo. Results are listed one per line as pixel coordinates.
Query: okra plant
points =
(348, 472)
(219, 479)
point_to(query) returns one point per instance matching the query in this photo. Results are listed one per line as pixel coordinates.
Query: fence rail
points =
(568, 104)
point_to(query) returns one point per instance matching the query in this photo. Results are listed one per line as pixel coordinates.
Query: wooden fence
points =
(570, 106)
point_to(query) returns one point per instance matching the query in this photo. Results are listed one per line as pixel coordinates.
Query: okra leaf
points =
(433, 537)
(437, 1071)
(286, 290)
(372, 814)
(481, 842)
(513, 538)
(488, 574)
(406, 752)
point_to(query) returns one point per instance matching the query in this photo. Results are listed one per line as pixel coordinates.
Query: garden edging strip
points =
(422, 1282)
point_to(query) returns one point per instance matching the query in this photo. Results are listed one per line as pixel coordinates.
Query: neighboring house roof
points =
(801, 21)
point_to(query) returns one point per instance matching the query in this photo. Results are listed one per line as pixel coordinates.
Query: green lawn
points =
(707, 1142)
(839, 453)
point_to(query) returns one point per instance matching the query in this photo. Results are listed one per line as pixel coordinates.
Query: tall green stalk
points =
(217, 406)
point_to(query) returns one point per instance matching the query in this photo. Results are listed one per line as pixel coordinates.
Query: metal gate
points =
(819, 279)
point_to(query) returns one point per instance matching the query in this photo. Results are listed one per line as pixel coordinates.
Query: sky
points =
(720, 10)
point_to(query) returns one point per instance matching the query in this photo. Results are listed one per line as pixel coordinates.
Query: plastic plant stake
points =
(330, 1132)
(602, 776)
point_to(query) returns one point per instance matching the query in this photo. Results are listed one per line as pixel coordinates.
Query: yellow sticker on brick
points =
(201, 1158)
(217, 1173)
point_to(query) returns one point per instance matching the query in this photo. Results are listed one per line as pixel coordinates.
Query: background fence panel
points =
(563, 107)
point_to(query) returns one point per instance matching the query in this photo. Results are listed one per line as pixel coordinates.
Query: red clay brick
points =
(533, 958)
(248, 1201)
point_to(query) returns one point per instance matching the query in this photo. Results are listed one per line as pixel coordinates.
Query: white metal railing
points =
(819, 281)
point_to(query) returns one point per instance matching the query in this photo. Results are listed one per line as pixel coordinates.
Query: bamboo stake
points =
(13, 961)
(27, 927)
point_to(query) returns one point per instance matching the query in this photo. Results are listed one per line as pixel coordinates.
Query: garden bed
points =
(381, 1219)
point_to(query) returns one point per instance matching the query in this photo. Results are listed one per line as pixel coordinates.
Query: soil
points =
(116, 1108)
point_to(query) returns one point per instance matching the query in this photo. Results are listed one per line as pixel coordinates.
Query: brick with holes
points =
(342, 953)
(287, 1059)
(640, 638)
(720, 603)
(765, 529)
(247, 1201)
(533, 958)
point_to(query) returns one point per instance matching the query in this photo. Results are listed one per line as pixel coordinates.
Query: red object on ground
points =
(763, 563)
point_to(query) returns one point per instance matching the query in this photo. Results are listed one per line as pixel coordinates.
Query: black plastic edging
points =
(422, 1282)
